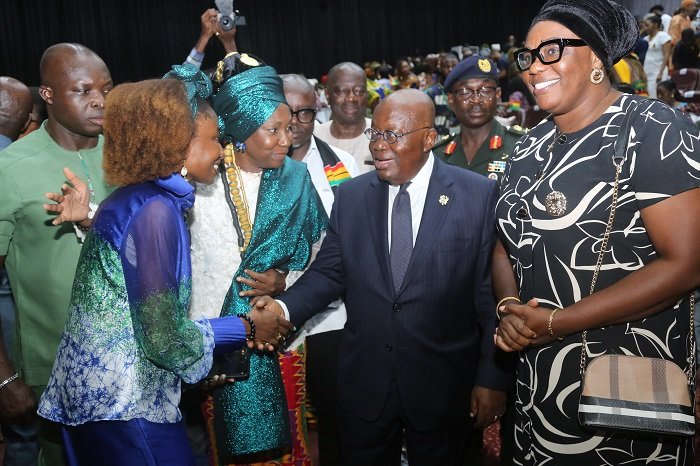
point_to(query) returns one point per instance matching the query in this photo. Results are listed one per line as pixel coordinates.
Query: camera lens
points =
(226, 23)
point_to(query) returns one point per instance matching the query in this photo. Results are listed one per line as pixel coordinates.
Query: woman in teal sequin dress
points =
(264, 215)
(128, 342)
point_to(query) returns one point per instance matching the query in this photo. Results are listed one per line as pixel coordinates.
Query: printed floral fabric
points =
(128, 341)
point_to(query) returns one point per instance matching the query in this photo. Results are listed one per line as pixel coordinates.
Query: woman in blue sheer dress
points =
(128, 342)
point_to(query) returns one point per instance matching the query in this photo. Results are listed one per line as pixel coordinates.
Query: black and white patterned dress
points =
(554, 259)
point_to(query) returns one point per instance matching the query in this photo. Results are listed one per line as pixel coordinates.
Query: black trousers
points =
(322, 385)
(378, 442)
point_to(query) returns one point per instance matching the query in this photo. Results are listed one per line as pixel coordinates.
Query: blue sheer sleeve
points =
(155, 258)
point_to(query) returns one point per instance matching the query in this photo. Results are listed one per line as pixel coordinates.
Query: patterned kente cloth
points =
(292, 364)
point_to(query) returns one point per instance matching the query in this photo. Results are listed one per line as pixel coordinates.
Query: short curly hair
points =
(148, 126)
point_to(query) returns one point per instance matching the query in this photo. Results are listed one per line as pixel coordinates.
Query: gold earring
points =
(183, 171)
(597, 76)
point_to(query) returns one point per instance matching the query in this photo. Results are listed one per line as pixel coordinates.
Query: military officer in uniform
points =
(483, 145)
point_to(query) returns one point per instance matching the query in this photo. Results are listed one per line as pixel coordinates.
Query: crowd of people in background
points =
(196, 269)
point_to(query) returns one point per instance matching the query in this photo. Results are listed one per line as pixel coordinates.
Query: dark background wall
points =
(140, 39)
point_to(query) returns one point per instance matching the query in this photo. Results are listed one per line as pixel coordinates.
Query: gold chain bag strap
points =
(634, 393)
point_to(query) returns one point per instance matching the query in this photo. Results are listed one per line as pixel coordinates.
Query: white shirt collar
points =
(422, 178)
(311, 149)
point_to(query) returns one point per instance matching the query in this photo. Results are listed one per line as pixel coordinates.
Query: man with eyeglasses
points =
(329, 167)
(409, 247)
(483, 144)
(346, 91)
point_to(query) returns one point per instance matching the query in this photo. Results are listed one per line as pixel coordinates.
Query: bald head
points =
(406, 118)
(344, 68)
(347, 96)
(411, 105)
(301, 97)
(74, 83)
(60, 58)
(297, 83)
(15, 107)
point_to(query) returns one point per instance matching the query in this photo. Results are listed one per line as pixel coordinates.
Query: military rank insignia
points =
(495, 142)
(499, 166)
(484, 65)
(450, 149)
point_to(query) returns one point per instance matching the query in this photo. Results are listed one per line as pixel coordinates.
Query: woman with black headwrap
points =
(555, 204)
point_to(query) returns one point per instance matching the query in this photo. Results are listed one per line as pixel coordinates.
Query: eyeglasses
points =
(389, 136)
(305, 115)
(548, 52)
(485, 92)
(345, 91)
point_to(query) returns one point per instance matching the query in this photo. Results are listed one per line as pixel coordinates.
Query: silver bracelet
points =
(11, 378)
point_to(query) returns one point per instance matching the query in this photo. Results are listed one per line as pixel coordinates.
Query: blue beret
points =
(474, 67)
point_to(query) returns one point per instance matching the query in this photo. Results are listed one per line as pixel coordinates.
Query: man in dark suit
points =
(409, 246)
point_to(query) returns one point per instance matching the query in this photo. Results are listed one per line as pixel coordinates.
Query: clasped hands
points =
(522, 325)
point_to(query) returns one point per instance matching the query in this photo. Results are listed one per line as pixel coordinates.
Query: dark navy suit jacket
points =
(435, 336)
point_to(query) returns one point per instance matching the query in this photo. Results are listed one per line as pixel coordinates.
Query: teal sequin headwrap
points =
(246, 100)
(197, 84)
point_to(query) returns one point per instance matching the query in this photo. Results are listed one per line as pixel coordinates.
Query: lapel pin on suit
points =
(444, 200)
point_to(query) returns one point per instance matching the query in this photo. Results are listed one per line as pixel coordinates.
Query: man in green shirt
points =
(483, 144)
(41, 258)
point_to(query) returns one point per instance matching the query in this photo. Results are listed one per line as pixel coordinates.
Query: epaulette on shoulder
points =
(517, 129)
(443, 140)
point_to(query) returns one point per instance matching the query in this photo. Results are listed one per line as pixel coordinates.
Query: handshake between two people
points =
(271, 327)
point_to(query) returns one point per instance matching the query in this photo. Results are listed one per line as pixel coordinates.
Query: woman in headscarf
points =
(128, 342)
(553, 211)
(257, 222)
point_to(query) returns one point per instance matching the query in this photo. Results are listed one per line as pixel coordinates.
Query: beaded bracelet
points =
(550, 330)
(507, 298)
(11, 378)
(247, 318)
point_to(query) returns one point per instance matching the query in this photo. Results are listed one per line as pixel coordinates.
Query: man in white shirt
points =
(347, 96)
(328, 167)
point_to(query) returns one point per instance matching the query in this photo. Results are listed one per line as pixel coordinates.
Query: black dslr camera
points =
(228, 17)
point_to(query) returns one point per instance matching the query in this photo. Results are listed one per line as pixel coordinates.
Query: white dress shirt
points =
(418, 190)
(357, 146)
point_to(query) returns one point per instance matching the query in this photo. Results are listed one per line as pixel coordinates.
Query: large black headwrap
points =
(608, 28)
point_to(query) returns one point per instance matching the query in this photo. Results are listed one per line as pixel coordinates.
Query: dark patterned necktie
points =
(401, 236)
